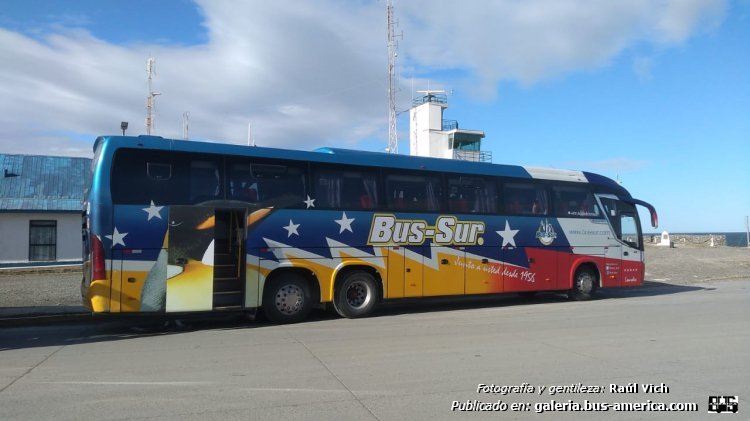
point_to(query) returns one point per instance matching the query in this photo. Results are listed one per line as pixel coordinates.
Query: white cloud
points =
(531, 40)
(308, 74)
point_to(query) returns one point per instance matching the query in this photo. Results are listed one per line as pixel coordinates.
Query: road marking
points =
(133, 383)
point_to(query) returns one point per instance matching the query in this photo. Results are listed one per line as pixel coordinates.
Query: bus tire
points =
(356, 295)
(287, 298)
(584, 285)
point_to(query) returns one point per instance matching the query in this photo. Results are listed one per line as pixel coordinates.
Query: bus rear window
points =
(158, 172)
(167, 178)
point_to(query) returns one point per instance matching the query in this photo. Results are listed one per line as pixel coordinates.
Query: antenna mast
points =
(250, 139)
(185, 126)
(150, 99)
(392, 54)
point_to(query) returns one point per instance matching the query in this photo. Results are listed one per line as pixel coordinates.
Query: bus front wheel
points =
(287, 298)
(356, 295)
(584, 285)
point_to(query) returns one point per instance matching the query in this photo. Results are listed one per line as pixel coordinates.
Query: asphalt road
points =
(404, 363)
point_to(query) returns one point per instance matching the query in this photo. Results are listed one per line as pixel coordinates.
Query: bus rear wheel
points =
(356, 295)
(584, 285)
(287, 298)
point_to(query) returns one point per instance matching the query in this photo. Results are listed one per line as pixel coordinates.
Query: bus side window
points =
(342, 188)
(270, 183)
(574, 201)
(407, 192)
(140, 176)
(471, 194)
(205, 181)
(525, 199)
(242, 186)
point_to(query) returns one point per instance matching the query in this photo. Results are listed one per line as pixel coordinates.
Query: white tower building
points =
(431, 135)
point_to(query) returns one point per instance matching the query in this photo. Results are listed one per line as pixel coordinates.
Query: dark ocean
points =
(736, 239)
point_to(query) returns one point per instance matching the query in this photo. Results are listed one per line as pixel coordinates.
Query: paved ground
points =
(402, 364)
(59, 292)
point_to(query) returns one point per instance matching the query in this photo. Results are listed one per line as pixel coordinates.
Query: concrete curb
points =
(41, 319)
(21, 270)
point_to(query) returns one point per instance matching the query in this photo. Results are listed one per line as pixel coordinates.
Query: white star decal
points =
(153, 211)
(345, 223)
(291, 229)
(117, 238)
(309, 202)
(508, 235)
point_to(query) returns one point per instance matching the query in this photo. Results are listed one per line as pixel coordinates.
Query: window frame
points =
(317, 170)
(536, 186)
(252, 162)
(387, 200)
(43, 223)
(487, 182)
(556, 205)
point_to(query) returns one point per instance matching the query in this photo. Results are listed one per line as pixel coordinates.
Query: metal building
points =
(40, 209)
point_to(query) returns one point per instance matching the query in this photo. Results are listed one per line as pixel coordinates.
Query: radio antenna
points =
(392, 54)
(185, 125)
(151, 98)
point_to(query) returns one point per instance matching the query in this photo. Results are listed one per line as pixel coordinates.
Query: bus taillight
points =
(98, 269)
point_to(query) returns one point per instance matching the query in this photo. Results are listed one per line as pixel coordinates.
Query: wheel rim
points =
(358, 294)
(585, 283)
(289, 299)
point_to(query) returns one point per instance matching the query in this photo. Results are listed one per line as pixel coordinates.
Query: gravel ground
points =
(40, 289)
(683, 265)
(689, 265)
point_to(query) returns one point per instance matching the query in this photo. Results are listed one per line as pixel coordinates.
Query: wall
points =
(14, 235)
(693, 240)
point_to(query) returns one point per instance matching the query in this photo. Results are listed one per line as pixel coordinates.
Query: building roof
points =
(42, 183)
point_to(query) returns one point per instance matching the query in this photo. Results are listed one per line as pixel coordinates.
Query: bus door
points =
(190, 258)
(229, 275)
(612, 275)
(632, 249)
(624, 256)
(396, 272)
(413, 270)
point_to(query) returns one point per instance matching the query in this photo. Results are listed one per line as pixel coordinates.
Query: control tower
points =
(431, 135)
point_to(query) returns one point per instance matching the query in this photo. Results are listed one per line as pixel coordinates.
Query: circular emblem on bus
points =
(546, 233)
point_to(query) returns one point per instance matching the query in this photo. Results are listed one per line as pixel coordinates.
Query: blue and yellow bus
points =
(173, 226)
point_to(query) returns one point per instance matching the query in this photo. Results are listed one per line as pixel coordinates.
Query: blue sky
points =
(655, 93)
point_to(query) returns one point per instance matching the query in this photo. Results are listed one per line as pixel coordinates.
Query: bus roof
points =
(363, 158)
